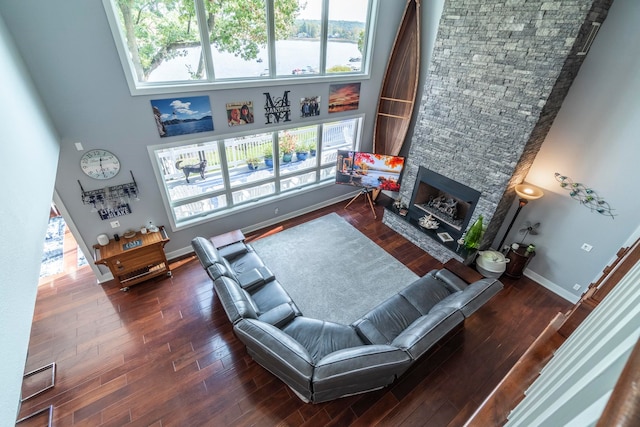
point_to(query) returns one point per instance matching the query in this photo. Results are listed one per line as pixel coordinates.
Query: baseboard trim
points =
(558, 290)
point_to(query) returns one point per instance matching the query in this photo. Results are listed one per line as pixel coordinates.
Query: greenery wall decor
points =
(585, 195)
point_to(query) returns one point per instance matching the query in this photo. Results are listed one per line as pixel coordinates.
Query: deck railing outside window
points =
(206, 178)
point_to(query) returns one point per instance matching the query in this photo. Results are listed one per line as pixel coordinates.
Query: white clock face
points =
(100, 164)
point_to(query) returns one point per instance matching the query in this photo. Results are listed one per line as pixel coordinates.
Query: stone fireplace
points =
(499, 73)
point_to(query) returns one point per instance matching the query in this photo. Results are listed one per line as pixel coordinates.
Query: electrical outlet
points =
(586, 247)
(115, 224)
(576, 287)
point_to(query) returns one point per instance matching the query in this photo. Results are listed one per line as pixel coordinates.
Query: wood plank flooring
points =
(164, 353)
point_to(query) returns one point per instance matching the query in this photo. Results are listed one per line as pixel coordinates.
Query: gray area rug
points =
(331, 270)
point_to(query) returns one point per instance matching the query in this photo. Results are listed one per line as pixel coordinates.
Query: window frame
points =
(156, 88)
(227, 189)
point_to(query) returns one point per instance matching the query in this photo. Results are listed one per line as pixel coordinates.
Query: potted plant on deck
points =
(253, 163)
(302, 151)
(287, 146)
(268, 156)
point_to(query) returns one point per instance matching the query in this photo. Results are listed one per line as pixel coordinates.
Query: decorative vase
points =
(474, 235)
(286, 157)
(268, 162)
(253, 166)
(302, 156)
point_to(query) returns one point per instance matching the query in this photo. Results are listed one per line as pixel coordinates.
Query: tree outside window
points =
(193, 41)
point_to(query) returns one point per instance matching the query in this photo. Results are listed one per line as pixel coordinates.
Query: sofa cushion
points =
(255, 277)
(269, 295)
(387, 320)
(233, 250)
(320, 337)
(245, 262)
(425, 293)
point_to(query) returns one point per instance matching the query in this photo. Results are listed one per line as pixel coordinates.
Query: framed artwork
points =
(310, 106)
(182, 116)
(344, 97)
(240, 113)
(277, 108)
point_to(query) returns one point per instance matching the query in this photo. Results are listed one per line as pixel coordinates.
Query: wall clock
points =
(100, 164)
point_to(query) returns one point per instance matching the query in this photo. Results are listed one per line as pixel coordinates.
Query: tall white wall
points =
(29, 153)
(77, 71)
(594, 140)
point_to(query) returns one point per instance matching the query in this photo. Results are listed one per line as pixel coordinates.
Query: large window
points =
(188, 43)
(216, 177)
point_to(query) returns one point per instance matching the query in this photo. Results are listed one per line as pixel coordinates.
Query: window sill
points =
(249, 206)
(158, 89)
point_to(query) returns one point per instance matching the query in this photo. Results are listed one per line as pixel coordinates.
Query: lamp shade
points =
(528, 192)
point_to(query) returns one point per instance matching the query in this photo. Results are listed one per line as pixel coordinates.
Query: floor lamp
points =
(525, 193)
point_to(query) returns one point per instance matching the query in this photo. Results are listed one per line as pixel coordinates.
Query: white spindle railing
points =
(573, 388)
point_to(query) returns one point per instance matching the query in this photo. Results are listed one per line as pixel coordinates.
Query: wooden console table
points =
(226, 239)
(135, 259)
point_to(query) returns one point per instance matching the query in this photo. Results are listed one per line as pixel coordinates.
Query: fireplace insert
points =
(450, 202)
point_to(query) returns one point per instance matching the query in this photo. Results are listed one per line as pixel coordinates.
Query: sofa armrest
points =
(235, 300)
(474, 296)
(255, 277)
(205, 251)
(280, 315)
(452, 281)
(278, 353)
(356, 370)
(422, 334)
(221, 269)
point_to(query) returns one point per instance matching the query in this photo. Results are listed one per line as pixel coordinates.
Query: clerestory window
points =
(204, 179)
(181, 44)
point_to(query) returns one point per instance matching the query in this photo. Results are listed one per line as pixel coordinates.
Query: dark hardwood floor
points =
(164, 353)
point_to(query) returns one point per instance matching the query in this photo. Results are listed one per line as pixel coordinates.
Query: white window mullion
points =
(201, 14)
(324, 37)
(277, 160)
(271, 38)
(222, 152)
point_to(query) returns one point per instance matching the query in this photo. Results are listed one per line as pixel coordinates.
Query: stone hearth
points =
(499, 73)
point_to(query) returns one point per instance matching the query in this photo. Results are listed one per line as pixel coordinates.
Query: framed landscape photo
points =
(182, 116)
(344, 97)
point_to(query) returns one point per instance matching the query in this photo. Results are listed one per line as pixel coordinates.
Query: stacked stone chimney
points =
(499, 73)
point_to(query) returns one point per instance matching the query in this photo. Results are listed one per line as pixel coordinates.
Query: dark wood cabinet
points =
(518, 261)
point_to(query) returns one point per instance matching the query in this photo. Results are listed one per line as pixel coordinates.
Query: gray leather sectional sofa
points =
(322, 360)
